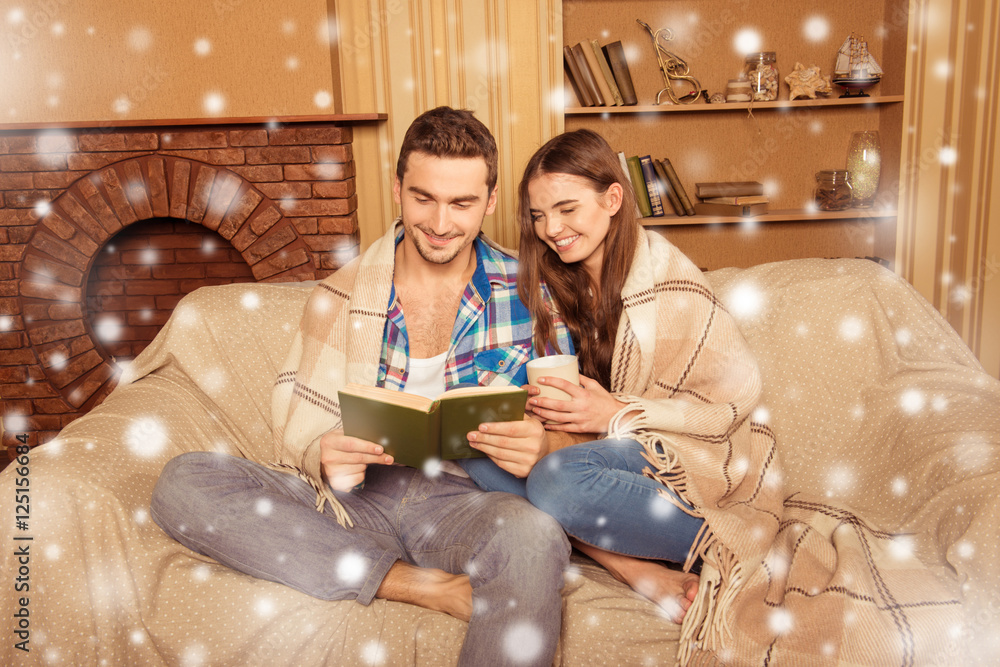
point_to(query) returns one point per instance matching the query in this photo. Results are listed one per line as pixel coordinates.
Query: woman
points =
(664, 371)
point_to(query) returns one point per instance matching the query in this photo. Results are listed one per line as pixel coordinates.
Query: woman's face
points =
(572, 218)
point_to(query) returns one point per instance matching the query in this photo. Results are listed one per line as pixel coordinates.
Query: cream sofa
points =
(857, 368)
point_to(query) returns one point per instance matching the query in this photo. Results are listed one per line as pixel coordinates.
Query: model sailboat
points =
(855, 68)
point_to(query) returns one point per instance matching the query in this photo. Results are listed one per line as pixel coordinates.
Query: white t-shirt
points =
(426, 378)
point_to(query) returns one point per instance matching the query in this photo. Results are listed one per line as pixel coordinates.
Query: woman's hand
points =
(588, 410)
(514, 446)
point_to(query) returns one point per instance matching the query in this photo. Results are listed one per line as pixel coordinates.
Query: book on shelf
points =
(587, 48)
(652, 187)
(639, 186)
(628, 178)
(615, 54)
(741, 199)
(576, 78)
(733, 210)
(609, 78)
(675, 202)
(728, 189)
(675, 183)
(414, 429)
(588, 77)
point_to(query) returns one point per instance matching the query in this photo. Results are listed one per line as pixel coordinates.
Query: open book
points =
(414, 429)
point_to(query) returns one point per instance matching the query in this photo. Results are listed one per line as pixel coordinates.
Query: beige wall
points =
(93, 60)
(405, 56)
(948, 241)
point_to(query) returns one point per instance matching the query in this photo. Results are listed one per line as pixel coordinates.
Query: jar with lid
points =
(762, 74)
(833, 190)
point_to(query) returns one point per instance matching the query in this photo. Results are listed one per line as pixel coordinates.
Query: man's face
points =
(444, 201)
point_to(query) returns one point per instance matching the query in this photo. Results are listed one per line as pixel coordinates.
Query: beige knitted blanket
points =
(787, 578)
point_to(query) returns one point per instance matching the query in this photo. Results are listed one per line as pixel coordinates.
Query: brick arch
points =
(78, 223)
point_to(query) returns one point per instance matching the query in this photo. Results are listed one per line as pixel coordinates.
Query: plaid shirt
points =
(491, 340)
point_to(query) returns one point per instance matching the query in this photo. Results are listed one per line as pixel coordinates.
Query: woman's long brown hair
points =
(591, 312)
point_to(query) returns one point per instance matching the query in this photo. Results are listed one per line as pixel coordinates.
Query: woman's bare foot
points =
(429, 588)
(671, 590)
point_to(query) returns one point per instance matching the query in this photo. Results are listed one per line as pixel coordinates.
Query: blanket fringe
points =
(324, 494)
(708, 624)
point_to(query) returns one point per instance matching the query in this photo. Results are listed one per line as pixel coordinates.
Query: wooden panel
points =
(751, 243)
(92, 60)
(949, 221)
(497, 58)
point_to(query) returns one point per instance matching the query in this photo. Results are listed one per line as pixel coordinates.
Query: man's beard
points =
(436, 255)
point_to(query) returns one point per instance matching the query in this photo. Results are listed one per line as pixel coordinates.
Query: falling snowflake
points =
(965, 549)
(745, 300)
(194, 655)
(899, 486)
(202, 47)
(201, 573)
(761, 415)
(6, 323)
(432, 467)
(939, 403)
(323, 99)
(58, 361)
(250, 301)
(661, 508)
(140, 516)
(264, 607)
(351, 568)
(912, 401)
(780, 621)
(140, 39)
(851, 328)
(816, 29)
(523, 642)
(146, 437)
(747, 41)
(373, 653)
(53, 552)
(42, 208)
(108, 328)
(840, 480)
(185, 315)
(901, 547)
(137, 637)
(214, 103)
(903, 337)
(264, 506)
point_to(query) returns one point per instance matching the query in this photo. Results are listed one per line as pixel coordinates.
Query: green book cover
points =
(414, 429)
(639, 186)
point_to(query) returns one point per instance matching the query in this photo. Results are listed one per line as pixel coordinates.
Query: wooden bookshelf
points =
(787, 215)
(737, 106)
(780, 143)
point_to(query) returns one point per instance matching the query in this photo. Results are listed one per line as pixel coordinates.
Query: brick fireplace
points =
(104, 230)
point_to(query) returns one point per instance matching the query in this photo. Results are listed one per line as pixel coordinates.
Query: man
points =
(429, 306)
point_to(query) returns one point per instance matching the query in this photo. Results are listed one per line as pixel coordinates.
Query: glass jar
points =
(864, 161)
(762, 74)
(833, 190)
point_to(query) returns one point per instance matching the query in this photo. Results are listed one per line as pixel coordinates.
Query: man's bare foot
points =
(429, 588)
(671, 590)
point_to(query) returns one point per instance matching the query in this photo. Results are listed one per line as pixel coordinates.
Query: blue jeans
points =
(597, 492)
(264, 523)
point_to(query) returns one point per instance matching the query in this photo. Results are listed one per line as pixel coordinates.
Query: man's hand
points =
(344, 459)
(514, 446)
(588, 410)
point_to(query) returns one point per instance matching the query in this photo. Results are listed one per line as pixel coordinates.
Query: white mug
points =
(563, 366)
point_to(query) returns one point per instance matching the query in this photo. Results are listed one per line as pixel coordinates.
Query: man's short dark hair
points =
(454, 133)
